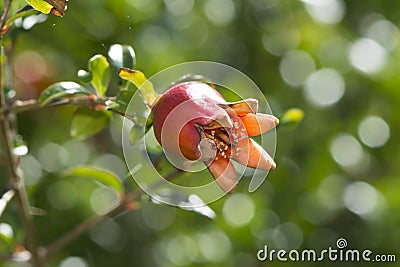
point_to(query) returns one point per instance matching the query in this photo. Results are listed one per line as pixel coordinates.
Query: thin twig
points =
(6, 139)
(78, 230)
(4, 15)
(32, 104)
(18, 186)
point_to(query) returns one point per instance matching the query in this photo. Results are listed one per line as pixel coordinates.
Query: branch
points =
(11, 162)
(16, 180)
(32, 104)
(86, 225)
(4, 16)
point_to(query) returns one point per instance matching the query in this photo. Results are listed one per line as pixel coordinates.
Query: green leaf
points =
(22, 14)
(61, 90)
(100, 69)
(101, 176)
(136, 134)
(20, 148)
(87, 122)
(123, 99)
(140, 81)
(122, 56)
(84, 76)
(110, 104)
(41, 5)
(292, 117)
(56, 7)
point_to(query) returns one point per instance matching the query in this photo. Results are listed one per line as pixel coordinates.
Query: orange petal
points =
(224, 173)
(245, 106)
(251, 154)
(259, 123)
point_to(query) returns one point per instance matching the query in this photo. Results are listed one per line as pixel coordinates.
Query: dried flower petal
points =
(259, 123)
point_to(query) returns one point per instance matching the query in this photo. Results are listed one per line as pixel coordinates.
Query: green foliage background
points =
(303, 203)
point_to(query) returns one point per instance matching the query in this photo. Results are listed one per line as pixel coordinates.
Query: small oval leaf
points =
(87, 122)
(101, 176)
(61, 90)
(84, 76)
(122, 56)
(100, 69)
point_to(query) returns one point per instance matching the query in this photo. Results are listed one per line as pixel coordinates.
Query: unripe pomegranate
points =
(193, 120)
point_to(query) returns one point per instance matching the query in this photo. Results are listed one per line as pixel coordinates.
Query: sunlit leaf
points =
(110, 104)
(87, 122)
(140, 81)
(56, 7)
(84, 76)
(6, 237)
(100, 69)
(5, 199)
(291, 117)
(101, 176)
(122, 56)
(61, 90)
(190, 203)
(20, 147)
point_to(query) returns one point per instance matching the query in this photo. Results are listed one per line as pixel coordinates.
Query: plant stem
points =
(4, 15)
(12, 162)
(32, 104)
(86, 225)
(6, 139)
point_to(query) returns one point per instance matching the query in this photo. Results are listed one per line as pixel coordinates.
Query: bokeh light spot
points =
(77, 151)
(346, 150)
(108, 235)
(214, 245)
(295, 67)
(182, 250)
(179, 7)
(324, 87)
(326, 11)
(30, 67)
(157, 216)
(360, 198)
(385, 33)
(219, 12)
(73, 262)
(32, 169)
(103, 199)
(281, 42)
(62, 195)
(238, 210)
(53, 157)
(374, 131)
(367, 55)
(111, 163)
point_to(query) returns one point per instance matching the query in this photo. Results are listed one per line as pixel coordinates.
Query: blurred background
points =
(338, 173)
